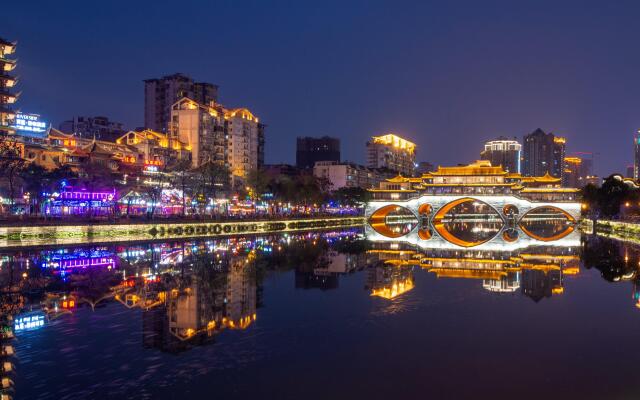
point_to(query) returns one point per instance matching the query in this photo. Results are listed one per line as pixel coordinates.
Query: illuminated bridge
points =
(475, 205)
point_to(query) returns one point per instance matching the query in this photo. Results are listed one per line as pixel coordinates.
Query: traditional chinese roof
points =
(398, 179)
(480, 167)
(541, 179)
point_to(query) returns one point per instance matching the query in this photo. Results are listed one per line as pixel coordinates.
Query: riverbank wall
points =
(25, 236)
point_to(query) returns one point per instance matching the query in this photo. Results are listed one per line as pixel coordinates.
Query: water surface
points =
(323, 315)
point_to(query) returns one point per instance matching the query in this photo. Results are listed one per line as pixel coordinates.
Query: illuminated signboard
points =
(29, 123)
(28, 322)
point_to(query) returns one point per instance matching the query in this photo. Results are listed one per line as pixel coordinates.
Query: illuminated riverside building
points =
(441, 207)
(503, 152)
(202, 128)
(392, 152)
(245, 142)
(160, 94)
(7, 82)
(156, 146)
(543, 153)
(232, 138)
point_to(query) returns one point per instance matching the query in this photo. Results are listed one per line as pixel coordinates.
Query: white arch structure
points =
(498, 203)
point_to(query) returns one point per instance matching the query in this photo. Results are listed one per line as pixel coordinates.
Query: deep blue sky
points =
(447, 75)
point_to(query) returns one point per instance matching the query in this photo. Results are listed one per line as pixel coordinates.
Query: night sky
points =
(447, 75)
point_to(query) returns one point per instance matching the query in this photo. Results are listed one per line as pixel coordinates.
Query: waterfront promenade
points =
(63, 234)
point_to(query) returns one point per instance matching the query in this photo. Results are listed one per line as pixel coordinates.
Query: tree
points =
(35, 180)
(607, 199)
(11, 163)
(213, 179)
(258, 181)
(183, 180)
(355, 196)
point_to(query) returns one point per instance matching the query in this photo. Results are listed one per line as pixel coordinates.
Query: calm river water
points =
(321, 315)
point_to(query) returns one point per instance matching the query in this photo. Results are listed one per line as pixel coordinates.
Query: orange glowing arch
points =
(378, 220)
(424, 234)
(442, 231)
(557, 236)
(424, 209)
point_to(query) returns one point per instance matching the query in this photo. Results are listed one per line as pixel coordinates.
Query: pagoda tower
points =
(7, 83)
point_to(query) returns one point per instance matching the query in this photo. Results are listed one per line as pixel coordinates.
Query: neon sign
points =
(29, 123)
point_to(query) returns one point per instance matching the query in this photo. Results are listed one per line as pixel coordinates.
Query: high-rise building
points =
(160, 94)
(543, 153)
(391, 152)
(636, 156)
(232, 138)
(7, 82)
(576, 171)
(202, 128)
(504, 152)
(89, 127)
(310, 150)
(245, 142)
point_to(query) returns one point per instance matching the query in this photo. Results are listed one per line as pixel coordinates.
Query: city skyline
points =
(427, 77)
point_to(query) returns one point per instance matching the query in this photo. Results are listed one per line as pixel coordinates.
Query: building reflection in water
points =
(537, 271)
(389, 282)
(218, 293)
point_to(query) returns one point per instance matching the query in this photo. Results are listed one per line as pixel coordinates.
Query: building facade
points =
(392, 152)
(503, 151)
(7, 83)
(202, 128)
(310, 150)
(232, 138)
(89, 127)
(245, 142)
(160, 94)
(543, 153)
(349, 175)
(576, 171)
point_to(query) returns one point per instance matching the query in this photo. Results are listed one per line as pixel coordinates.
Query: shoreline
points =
(12, 237)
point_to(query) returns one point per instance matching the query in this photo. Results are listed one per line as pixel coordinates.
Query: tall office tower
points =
(636, 154)
(503, 151)
(310, 150)
(392, 152)
(7, 82)
(160, 94)
(543, 153)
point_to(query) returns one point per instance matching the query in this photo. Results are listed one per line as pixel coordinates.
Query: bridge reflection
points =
(538, 271)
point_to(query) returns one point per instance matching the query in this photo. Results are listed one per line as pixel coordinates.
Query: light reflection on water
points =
(247, 316)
